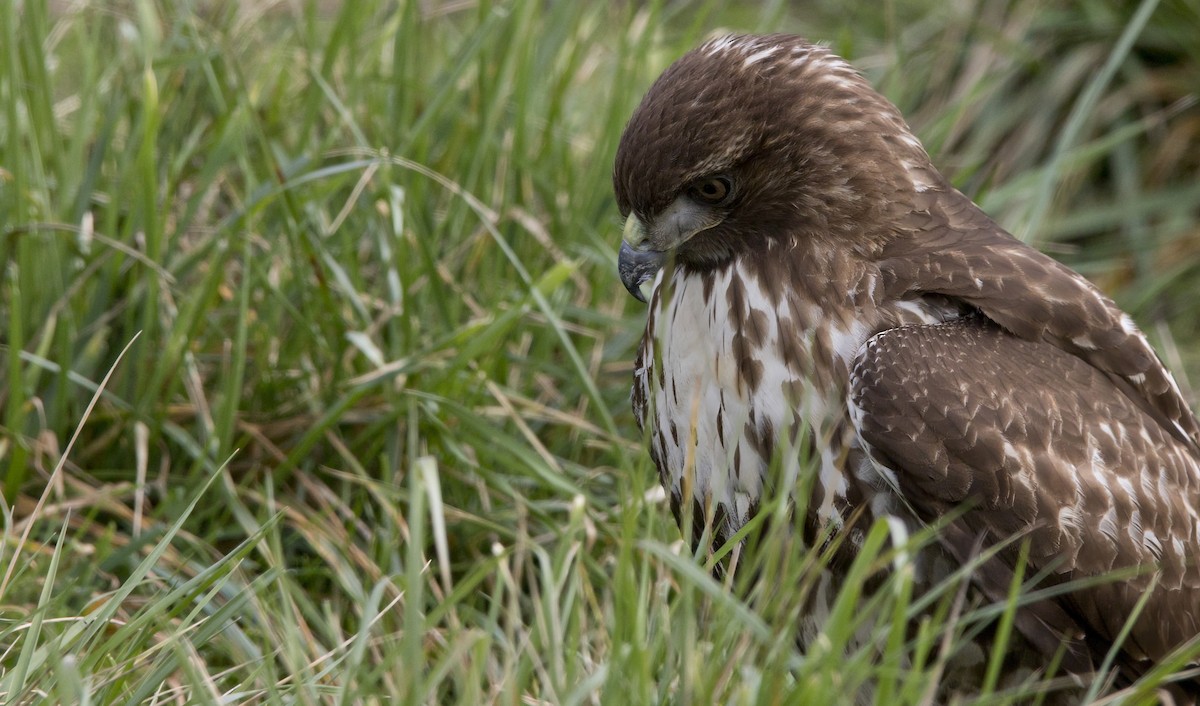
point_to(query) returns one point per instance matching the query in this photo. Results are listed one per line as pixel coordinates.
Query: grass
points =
(369, 438)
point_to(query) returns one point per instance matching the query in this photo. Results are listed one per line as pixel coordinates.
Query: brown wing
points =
(1034, 440)
(957, 251)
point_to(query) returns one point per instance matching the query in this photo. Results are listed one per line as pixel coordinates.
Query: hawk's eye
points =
(714, 191)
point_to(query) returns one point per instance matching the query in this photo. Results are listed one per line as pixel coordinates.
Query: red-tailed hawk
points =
(823, 275)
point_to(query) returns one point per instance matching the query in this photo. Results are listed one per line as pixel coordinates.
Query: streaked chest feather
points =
(732, 372)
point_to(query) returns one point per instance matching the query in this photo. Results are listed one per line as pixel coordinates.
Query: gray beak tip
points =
(637, 267)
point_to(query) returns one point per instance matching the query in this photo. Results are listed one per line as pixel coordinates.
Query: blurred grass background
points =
(370, 438)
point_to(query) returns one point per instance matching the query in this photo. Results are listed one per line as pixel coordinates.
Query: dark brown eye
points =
(714, 191)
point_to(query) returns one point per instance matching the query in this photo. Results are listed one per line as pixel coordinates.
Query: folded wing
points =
(1019, 437)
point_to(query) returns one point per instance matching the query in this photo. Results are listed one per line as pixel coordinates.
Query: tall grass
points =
(370, 439)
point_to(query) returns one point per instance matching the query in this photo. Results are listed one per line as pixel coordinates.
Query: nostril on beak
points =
(635, 233)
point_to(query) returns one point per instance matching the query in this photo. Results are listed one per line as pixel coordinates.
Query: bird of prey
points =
(819, 276)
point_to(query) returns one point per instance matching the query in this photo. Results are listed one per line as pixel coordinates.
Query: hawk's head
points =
(751, 138)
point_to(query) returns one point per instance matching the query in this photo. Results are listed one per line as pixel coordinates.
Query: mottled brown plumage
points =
(822, 275)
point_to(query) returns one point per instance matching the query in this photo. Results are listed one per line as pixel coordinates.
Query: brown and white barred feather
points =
(728, 368)
(1033, 440)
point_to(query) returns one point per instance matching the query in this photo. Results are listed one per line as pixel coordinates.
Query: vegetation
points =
(316, 364)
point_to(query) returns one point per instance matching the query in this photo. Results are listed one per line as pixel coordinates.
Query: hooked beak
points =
(646, 243)
(637, 267)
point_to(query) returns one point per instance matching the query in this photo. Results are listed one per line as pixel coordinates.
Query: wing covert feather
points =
(1036, 441)
(961, 253)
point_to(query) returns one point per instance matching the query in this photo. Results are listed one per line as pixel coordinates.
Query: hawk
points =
(818, 276)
